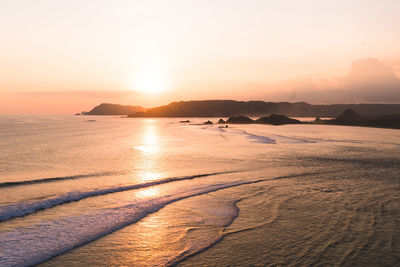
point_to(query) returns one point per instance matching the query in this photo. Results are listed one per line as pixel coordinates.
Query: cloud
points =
(368, 80)
(373, 80)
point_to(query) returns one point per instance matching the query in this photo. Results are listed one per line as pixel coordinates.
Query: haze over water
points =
(138, 192)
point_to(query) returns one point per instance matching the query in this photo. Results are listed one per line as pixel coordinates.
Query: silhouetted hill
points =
(239, 120)
(114, 109)
(273, 119)
(228, 108)
(349, 117)
(276, 119)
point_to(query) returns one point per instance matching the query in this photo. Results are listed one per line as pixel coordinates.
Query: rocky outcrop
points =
(276, 119)
(351, 118)
(239, 119)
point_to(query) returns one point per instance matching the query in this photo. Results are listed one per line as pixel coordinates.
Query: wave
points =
(78, 230)
(254, 137)
(192, 252)
(56, 179)
(271, 139)
(259, 138)
(52, 238)
(293, 140)
(25, 208)
(278, 139)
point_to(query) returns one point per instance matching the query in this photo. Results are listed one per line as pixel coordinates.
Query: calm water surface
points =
(109, 191)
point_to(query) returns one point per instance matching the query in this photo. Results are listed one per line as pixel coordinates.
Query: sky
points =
(68, 56)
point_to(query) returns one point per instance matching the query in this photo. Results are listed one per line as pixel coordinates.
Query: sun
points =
(151, 81)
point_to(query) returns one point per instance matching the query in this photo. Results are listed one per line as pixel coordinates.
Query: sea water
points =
(111, 191)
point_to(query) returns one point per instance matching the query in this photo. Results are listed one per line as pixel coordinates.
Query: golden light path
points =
(150, 154)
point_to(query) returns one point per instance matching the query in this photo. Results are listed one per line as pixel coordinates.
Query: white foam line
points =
(259, 138)
(25, 208)
(39, 242)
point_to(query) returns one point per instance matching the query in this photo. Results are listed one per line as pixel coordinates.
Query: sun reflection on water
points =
(149, 144)
(148, 175)
(148, 166)
(148, 192)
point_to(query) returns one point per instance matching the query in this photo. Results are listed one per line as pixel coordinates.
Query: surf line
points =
(25, 208)
(56, 179)
(93, 228)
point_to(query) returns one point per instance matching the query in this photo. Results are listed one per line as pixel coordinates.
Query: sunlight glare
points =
(151, 80)
(148, 192)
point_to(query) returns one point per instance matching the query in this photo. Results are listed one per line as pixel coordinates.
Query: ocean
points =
(112, 191)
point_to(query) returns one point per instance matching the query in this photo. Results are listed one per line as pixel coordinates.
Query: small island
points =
(351, 118)
(273, 119)
(347, 118)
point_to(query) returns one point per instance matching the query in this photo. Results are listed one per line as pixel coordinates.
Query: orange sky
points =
(67, 56)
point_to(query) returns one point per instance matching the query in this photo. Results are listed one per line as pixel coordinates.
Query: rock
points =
(186, 121)
(240, 119)
(276, 119)
(349, 116)
(208, 122)
(221, 121)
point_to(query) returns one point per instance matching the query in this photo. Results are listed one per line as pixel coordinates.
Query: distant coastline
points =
(274, 113)
(228, 108)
